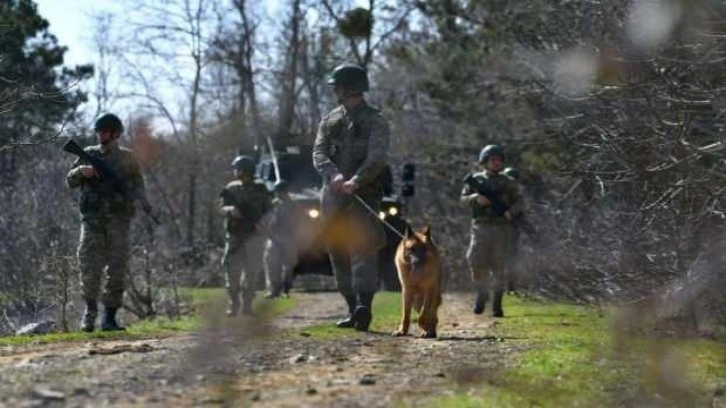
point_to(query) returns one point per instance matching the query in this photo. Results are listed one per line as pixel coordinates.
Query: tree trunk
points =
(289, 78)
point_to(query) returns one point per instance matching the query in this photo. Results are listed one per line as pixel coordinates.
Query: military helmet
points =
(490, 150)
(244, 164)
(512, 172)
(350, 76)
(109, 121)
(280, 186)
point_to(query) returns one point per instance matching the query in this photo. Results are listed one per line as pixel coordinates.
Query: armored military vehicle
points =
(295, 166)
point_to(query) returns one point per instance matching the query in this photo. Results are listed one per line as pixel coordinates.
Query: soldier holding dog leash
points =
(351, 149)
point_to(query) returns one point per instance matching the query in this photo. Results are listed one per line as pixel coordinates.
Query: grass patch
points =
(160, 326)
(387, 312)
(576, 359)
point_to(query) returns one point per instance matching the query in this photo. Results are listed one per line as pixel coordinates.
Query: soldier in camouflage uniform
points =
(243, 202)
(492, 235)
(281, 247)
(105, 223)
(350, 150)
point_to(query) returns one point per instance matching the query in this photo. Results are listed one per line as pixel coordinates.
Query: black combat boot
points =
(233, 307)
(363, 311)
(108, 323)
(88, 322)
(286, 287)
(482, 295)
(497, 304)
(247, 298)
(274, 291)
(349, 321)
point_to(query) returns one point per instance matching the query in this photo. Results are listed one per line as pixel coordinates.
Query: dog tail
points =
(418, 303)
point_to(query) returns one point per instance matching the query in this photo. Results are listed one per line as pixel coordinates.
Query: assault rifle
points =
(499, 207)
(106, 172)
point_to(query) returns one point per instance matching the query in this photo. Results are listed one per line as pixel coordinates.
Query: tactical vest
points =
(251, 199)
(98, 197)
(350, 136)
(499, 185)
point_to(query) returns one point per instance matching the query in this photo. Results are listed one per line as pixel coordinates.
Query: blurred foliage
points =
(36, 91)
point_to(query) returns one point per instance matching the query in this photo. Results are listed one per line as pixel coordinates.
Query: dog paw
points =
(428, 335)
(399, 333)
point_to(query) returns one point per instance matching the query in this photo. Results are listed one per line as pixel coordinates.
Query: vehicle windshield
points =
(296, 169)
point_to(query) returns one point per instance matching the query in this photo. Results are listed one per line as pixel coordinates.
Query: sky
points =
(71, 22)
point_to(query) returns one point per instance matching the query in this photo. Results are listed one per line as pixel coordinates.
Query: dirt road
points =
(272, 363)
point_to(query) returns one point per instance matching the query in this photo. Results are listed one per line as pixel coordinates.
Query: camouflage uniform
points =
(492, 244)
(281, 251)
(354, 143)
(105, 224)
(242, 260)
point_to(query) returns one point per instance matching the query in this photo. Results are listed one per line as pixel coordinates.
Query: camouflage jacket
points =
(504, 187)
(354, 143)
(98, 197)
(251, 199)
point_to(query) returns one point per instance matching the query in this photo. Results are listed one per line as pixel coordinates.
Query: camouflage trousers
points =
(355, 273)
(242, 263)
(490, 255)
(280, 259)
(103, 255)
(354, 237)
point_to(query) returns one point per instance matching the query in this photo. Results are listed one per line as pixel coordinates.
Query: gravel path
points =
(261, 364)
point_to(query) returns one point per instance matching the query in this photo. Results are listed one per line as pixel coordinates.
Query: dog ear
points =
(426, 232)
(408, 232)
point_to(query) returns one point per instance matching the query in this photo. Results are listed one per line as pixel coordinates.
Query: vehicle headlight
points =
(314, 213)
(382, 215)
(393, 211)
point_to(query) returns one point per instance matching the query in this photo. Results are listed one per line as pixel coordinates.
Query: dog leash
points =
(375, 214)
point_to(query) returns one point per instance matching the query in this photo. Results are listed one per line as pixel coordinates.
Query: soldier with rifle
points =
(110, 181)
(243, 202)
(495, 203)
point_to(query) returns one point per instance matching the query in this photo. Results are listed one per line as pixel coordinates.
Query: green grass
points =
(571, 356)
(387, 312)
(574, 358)
(160, 326)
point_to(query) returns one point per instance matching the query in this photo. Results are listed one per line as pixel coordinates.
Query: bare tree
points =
(289, 77)
(103, 40)
(175, 33)
(357, 25)
(234, 45)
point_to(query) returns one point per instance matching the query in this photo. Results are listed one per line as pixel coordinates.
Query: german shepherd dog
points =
(419, 270)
